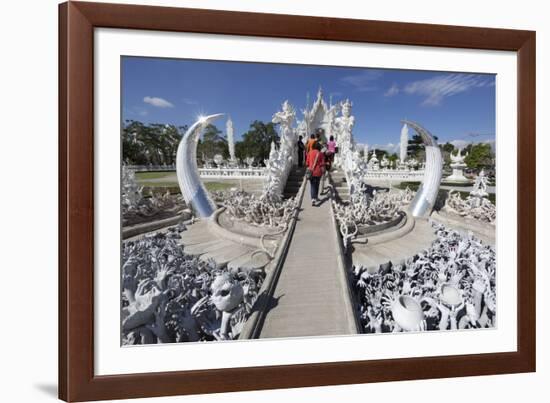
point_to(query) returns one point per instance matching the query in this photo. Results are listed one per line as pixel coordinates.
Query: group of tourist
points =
(319, 157)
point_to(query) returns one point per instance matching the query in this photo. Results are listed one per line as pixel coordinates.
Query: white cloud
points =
(389, 147)
(136, 111)
(460, 143)
(435, 89)
(158, 102)
(189, 101)
(493, 144)
(363, 81)
(393, 90)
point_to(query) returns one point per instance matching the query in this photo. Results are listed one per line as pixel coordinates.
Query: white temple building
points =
(336, 120)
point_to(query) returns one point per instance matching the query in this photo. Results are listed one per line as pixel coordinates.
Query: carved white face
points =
(346, 109)
(227, 293)
(287, 108)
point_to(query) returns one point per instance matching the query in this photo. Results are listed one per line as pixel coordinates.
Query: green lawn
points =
(143, 176)
(162, 187)
(214, 186)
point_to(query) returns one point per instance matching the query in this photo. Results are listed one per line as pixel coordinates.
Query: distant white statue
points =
(280, 161)
(366, 153)
(458, 164)
(480, 186)
(385, 162)
(344, 127)
(286, 118)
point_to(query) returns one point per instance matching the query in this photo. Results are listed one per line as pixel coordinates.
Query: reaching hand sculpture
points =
(364, 210)
(191, 186)
(168, 296)
(454, 283)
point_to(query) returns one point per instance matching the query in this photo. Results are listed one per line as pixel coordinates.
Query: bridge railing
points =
(222, 172)
(394, 174)
(248, 173)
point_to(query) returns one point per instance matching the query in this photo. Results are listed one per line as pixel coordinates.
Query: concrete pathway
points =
(396, 251)
(310, 296)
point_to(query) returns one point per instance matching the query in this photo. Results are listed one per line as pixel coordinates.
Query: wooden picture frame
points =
(77, 21)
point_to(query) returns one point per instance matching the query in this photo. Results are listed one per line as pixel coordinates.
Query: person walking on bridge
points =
(331, 150)
(301, 151)
(315, 162)
(309, 144)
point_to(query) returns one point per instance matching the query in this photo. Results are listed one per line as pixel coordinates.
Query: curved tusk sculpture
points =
(424, 201)
(191, 186)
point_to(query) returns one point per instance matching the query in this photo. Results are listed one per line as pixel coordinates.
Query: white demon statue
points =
(280, 161)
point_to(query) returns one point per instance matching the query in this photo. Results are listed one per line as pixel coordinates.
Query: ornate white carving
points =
(453, 282)
(458, 164)
(476, 205)
(364, 210)
(169, 297)
(321, 116)
(281, 160)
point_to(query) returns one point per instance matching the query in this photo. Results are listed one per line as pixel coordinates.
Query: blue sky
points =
(457, 107)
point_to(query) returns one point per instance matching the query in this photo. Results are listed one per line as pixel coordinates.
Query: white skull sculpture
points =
(227, 293)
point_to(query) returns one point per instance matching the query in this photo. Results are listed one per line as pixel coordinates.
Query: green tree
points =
(446, 150)
(256, 142)
(415, 148)
(150, 143)
(212, 143)
(479, 156)
(393, 157)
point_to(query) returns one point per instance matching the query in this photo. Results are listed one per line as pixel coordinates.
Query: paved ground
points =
(396, 251)
(309, 296)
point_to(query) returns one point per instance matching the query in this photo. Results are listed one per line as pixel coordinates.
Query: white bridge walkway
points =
(311, 297)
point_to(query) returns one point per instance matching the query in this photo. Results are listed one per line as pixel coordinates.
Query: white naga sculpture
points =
(458, 164)
(192, 188)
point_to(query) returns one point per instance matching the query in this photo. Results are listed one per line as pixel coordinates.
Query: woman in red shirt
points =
(315, 161)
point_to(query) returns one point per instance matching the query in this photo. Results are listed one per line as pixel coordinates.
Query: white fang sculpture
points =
(192, 188)
(426, 195)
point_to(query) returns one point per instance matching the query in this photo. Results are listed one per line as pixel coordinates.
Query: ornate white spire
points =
(230, 138)
(403, 143)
